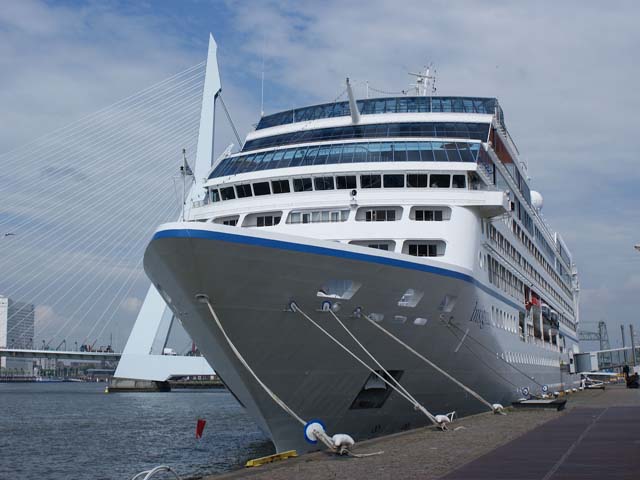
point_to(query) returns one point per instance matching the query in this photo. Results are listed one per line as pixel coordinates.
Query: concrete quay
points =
(597, 436)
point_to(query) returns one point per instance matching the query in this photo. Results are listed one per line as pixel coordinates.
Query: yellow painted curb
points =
(256, 462)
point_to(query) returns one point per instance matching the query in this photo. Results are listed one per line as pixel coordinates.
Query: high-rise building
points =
(17, 320)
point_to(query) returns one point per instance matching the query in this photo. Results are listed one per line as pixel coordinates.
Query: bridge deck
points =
(59, 354)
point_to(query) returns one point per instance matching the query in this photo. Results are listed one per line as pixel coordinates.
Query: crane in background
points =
(601, 336)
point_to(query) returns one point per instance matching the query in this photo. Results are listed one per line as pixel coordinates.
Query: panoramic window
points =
(360, 152)
(394, 181)
(370, 181)
(323, 183)
(345, 182)
(280, 186)
(227, 193)
(438, 180)
(417, 180)
(261, 188)
(243, 191)
(382, 105)
(302, 185)
(477, 131)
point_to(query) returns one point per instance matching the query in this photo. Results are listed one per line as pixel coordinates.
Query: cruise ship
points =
(347, 242)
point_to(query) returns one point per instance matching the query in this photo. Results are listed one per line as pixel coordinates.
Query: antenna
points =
(425, 81)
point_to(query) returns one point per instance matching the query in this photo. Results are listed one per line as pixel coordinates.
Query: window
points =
(438, 180)
(423, 250)
(243, 191)
(380, 216)
(229, 221)
(280, 186)
(459, 181)
(370, 181)
(345, 182)
(267, 220)
(227, 193)
(386, 245)
(323, 183)
(261, 188)
(394, 181)
(214, 195)
(351, 153)
(377, 105)
(418, 180)
(428, 215)
(302, 185)
(319, 216)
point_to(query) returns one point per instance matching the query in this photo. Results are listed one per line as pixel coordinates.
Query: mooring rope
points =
(370, 355)
(496, 354)
(494, 407)
(241, 359)
(417, 405)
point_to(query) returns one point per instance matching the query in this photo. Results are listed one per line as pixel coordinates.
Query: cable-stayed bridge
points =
(77, 207)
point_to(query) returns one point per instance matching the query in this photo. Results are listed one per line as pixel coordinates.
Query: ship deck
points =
(597, 436)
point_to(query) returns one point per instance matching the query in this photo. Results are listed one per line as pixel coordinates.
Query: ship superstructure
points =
(413, 210)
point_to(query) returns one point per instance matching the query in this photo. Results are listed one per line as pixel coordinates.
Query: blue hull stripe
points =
(298, 247)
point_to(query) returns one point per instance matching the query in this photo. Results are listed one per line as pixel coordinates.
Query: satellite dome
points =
(536, 200)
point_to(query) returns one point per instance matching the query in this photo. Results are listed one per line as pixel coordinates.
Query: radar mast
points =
(425, 81)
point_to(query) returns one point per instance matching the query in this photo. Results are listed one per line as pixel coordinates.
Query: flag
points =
(200, 427)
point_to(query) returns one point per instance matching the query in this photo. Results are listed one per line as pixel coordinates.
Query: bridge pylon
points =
(143, 365)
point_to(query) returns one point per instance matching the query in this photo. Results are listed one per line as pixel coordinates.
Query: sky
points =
(564, 72)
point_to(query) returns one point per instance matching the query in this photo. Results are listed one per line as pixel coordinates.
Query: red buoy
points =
(200, 427)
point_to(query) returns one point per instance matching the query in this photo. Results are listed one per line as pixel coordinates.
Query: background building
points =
(17, 321)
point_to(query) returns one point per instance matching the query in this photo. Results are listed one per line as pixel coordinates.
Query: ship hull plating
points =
(251, 278)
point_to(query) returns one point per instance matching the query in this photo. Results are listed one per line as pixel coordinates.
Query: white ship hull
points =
(252, 277)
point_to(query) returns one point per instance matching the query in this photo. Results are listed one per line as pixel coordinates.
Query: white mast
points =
(425, 81)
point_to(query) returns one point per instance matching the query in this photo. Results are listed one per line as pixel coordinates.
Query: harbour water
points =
(73, 430)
